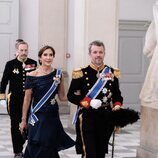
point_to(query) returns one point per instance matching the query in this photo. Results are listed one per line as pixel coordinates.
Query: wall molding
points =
(126, 25)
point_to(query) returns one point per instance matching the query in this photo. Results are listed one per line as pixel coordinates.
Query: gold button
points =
(87, 78)
(88, 84)
(85, 72)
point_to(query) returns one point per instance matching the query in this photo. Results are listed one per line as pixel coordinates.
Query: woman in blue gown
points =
(46, 135)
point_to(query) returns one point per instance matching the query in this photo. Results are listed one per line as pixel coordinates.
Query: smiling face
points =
(46, 58)
(97, 54)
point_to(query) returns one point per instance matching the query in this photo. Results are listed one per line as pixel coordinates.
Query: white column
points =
(102, 24)
(29, 25)
(76, 40)
(53, 28)
(76, 34)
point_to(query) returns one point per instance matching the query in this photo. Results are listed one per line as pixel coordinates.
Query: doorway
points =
(131, 60)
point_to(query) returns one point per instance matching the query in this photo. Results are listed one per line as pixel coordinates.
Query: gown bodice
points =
(40, 85)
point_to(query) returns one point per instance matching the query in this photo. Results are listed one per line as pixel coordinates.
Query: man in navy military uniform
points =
(95, 90)
(15, 74)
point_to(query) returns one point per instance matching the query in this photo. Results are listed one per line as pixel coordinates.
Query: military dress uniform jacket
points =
(83, 80)
(15, 73)
(94, 126)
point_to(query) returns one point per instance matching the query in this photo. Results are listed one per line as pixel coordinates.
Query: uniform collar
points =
(97, 68)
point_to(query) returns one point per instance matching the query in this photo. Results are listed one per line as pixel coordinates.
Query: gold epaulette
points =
(117, 72)
(77, 73)
(2, 96)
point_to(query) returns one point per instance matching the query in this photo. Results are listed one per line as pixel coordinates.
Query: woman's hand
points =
(22, 126)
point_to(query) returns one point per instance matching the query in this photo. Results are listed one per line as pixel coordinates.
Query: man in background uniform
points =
(15, 74)
(16, 45)
(95, 90)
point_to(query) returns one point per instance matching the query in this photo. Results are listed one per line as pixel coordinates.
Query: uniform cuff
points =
(117, 103)
(85, 102)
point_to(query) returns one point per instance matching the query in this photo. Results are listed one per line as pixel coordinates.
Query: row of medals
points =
(105, 98)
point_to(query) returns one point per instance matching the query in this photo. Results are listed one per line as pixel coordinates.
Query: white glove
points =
(3, 103)
(95, 103)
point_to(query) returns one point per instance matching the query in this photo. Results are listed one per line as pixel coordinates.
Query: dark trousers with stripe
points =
(15, 111)
(94, 130)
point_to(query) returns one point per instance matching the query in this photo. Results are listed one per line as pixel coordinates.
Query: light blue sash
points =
(100, 83)
(95, 90)
(33, 118)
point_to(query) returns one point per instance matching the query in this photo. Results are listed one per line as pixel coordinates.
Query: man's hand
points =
(116, 107)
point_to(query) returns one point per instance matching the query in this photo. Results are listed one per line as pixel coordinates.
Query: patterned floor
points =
(126, 142)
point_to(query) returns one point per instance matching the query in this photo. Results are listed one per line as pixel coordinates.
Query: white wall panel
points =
(9, 26)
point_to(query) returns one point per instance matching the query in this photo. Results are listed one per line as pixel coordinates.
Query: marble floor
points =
(126, 142)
